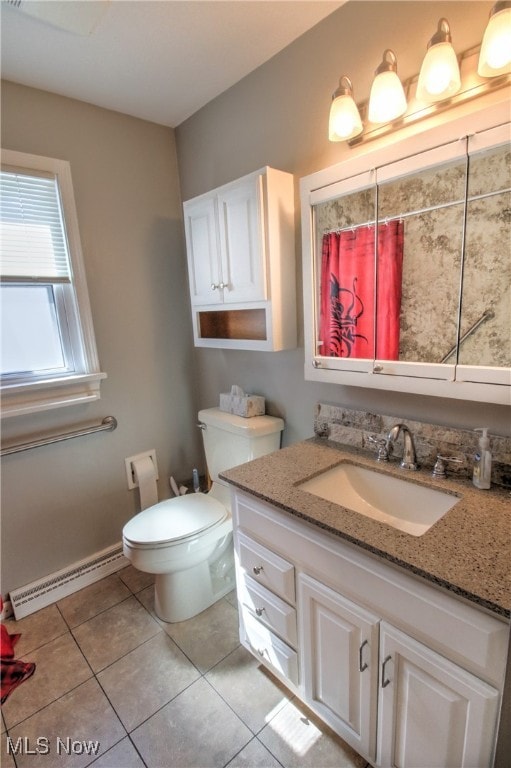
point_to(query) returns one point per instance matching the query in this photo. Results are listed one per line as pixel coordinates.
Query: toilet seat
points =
(173, 521)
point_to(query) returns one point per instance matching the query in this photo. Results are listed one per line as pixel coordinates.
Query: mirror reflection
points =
(401, 300)
(431, 206)
(486, 293)
(346, 302)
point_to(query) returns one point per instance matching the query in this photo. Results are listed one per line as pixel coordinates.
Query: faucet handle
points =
(381, 442)
(439, 468)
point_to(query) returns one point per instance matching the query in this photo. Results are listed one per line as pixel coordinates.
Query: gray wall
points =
(64, 502)
(278, 116)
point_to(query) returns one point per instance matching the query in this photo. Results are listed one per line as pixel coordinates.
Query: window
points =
(48, 352)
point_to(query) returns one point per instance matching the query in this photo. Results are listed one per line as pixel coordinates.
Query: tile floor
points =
(116, 688)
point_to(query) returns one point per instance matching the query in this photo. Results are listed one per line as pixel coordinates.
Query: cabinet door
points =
(431, 712)
(241, 242)
(202, 250)
(340, 663)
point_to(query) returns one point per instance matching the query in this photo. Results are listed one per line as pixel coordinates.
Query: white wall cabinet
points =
(407, 675)
(225, 245)
(202, 250)
(241, 266)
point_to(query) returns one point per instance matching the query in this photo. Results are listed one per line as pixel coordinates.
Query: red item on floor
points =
(14, 672)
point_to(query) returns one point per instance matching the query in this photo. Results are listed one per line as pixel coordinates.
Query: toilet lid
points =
(174, 519)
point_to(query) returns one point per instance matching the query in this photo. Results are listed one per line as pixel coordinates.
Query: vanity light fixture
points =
(445, 80)
(495, 55)
(345, 121)
(439, 77)
(387, 100)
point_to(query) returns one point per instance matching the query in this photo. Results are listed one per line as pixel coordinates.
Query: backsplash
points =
(350, 427)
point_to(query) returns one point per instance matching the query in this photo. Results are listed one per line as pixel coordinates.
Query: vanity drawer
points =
(268, 647)
(267, 568)
(268, 608)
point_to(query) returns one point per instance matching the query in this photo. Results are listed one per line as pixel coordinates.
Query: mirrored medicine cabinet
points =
(407, 263)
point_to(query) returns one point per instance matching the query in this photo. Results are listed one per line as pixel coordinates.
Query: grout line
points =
(255, 738)
(219, 694)
(99, 613)
(159, 708)
(49, 703)
(269, 750)
(102, 754)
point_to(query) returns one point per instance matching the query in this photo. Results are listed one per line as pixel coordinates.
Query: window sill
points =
(20, 399)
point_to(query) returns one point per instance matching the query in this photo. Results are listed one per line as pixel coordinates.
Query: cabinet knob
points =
(257, 569)
(259, 611)
(223, 285)
(377, 368)
(214, 286)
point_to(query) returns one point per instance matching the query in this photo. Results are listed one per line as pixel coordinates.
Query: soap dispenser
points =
(482, 461)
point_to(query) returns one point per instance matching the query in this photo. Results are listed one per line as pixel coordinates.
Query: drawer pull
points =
(385, 682)
(362, 666)
(257, 569)
(259, 611)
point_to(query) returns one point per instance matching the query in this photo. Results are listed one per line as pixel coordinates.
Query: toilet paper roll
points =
(145, 476)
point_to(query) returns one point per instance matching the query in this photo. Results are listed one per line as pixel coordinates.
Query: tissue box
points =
(242, 404)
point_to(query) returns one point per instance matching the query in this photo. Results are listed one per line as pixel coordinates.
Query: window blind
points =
(33, 244)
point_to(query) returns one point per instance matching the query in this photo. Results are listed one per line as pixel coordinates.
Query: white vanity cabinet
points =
(266, 597)
(431, 711)
(240, 250)
(407, 674)
(340, 652)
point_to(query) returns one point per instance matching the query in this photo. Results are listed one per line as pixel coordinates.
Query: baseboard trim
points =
(43, 592)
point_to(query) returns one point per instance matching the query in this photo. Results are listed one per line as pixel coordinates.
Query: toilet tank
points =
(230, 440)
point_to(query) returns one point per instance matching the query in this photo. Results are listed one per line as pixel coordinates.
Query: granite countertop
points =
(467, 552)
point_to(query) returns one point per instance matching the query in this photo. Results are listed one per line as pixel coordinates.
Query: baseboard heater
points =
(44, 592)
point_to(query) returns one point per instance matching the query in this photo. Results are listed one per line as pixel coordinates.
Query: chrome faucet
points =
(409, 460)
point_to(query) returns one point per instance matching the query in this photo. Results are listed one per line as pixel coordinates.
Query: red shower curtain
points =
(347, 297)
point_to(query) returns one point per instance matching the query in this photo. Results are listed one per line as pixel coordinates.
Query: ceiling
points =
(160, 60)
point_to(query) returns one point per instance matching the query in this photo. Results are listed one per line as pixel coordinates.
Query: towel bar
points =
(108, 424)
(488, 314)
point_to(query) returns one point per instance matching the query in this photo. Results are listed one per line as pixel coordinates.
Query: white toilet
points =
(187, 541)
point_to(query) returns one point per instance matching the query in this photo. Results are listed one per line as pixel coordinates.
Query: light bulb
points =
(439, 77)
(344, 122)
(495, 55)
(387, 100)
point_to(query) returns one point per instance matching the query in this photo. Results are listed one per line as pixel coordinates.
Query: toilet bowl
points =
(187, 541)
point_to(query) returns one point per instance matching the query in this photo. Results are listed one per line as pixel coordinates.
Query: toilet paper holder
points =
(130, 469)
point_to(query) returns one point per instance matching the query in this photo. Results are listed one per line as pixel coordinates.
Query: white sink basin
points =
(400, 503)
